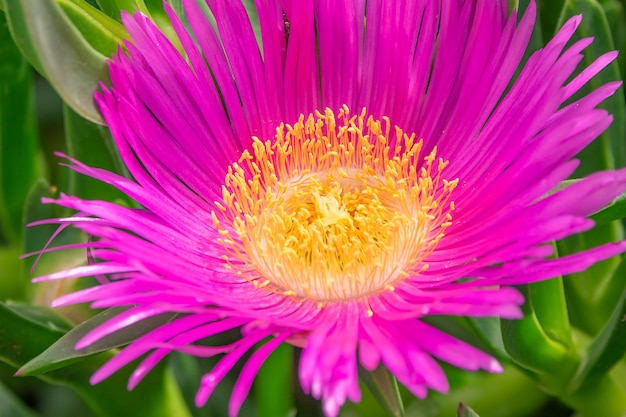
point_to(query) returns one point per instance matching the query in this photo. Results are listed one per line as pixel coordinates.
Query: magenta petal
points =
(210, 380)
(118, 322)
(85, 271)
(249, 371)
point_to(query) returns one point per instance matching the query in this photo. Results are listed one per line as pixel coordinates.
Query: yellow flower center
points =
(334, 208)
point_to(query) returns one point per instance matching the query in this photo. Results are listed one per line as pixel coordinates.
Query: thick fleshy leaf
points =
(18, 136)
(550, 361)
(586, 291)
(151, 8)
(62, 352)
(482, 332)
(550, 307)
(18, 25)
(489, 330)
(25, 331)
(50, 42)
(156, 10)
(384, 387)
(602, 396)
(615, 211)
(103, 33)
(465, 411)
(273, 385)
(157, 14)
(609, 346)
(113, 8)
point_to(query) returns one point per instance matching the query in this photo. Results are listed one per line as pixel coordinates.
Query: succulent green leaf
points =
(52, 44)
(39, 315)
(18, 136)
(158, 15)
(530, 347)
(482, 332)
(24, 330)
(489, 331)
(103, 33)
(62, 352)
(24, 333)
(588, 291)
(546, 300)
(609, 346)
(384, 387)
(113, 8)
(550, 307)
(614, 211)
(18, 25)
(601, 396)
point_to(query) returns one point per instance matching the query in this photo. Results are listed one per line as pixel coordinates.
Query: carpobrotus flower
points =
(370, 164)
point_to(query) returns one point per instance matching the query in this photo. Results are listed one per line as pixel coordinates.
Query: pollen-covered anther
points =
(336, 207)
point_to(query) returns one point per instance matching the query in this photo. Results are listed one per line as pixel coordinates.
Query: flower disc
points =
(334, 208)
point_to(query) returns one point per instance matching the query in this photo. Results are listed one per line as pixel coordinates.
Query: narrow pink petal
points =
(218, 63)
(249, 372)
(210, 380)
(85, 271)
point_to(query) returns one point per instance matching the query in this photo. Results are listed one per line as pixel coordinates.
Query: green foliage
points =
(18, 136)
(63, 351)
(54, 46)
(99, 30)
(274, 377)
(384, 388)
(11, 405)
(26, 330)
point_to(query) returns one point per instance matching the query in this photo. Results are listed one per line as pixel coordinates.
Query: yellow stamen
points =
(334, 208)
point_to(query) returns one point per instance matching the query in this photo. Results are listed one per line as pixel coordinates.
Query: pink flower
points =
(361, 170)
